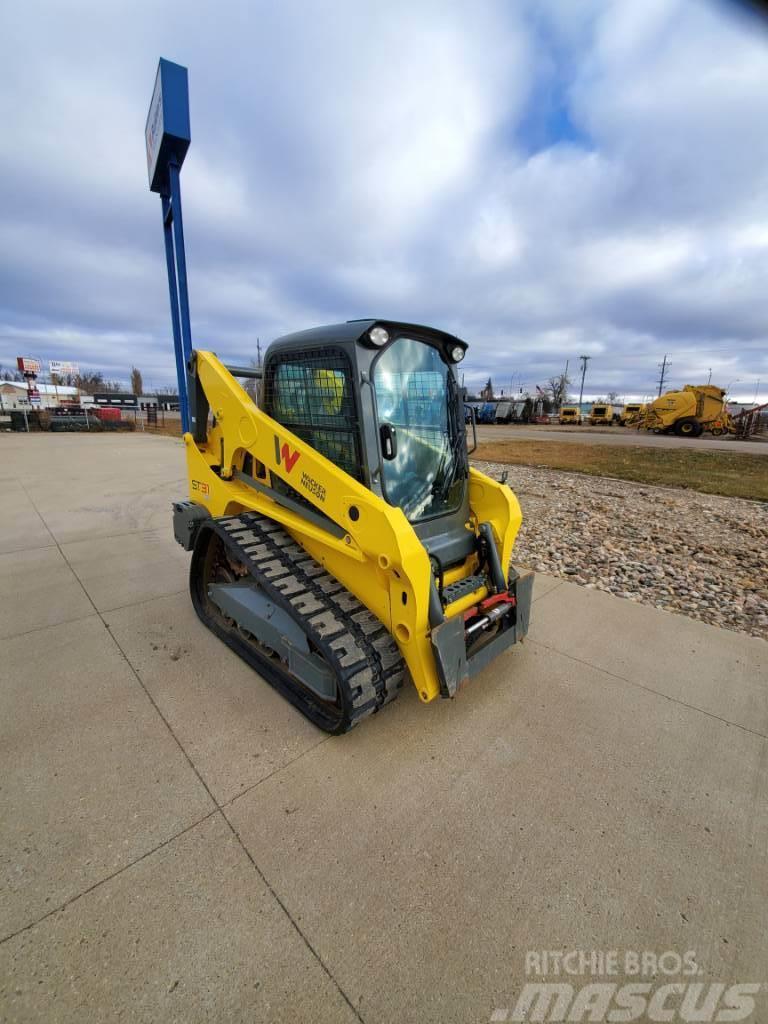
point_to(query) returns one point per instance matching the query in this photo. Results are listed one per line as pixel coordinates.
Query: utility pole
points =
(258, 353)
(564, 388)
(663, 367)
(709, 378)
(584, 361)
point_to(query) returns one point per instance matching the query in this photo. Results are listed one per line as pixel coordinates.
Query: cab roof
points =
(354, 330)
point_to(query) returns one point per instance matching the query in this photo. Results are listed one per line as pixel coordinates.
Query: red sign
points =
(28, 365)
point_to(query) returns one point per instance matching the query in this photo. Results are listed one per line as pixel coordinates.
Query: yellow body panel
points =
(380, 559)
(463, 603)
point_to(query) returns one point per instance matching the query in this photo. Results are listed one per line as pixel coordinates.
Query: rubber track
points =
(368, 665)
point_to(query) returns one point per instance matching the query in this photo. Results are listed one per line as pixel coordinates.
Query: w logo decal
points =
(285, 455)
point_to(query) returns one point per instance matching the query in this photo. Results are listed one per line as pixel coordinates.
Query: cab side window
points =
(310, 393)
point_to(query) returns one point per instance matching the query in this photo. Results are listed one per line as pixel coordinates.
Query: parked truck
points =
(487, 413)
(504, 412)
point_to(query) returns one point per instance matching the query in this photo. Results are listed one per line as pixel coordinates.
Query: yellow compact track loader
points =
(341, 542)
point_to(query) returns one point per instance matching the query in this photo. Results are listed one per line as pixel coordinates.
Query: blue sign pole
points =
(167, 138)
(181, 260)
(175, 323)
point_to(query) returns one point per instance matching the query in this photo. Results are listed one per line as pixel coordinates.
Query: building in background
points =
(118, 399)
(13, 396)
(165, 402)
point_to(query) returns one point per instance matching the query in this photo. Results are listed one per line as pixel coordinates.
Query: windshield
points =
(416, 395)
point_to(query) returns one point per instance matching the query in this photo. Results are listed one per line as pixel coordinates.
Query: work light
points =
(379, 336)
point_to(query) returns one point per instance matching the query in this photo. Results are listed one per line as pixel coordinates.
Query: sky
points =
(544, 179)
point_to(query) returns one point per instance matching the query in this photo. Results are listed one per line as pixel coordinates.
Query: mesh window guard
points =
(310, 393)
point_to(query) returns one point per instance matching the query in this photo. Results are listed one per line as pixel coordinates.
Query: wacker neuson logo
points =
(562, 985)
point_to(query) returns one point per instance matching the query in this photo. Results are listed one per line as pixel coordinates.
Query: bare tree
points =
(64, 380)
(137, 384)
(556, 389)
(90, 381)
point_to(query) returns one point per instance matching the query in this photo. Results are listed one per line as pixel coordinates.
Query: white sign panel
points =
(62, 369)
(154, 130)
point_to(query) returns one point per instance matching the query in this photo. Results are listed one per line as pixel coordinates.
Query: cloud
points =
(545, 180)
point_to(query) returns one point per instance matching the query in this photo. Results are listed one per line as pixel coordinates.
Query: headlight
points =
(379, 336)
(457, 353)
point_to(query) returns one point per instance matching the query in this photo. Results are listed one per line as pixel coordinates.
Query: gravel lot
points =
(701, 555)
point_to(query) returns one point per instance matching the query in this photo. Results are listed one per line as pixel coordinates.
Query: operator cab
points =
(380, 399)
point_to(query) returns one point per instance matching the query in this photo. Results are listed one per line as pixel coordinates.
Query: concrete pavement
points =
(616, 436)
(178, 844)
